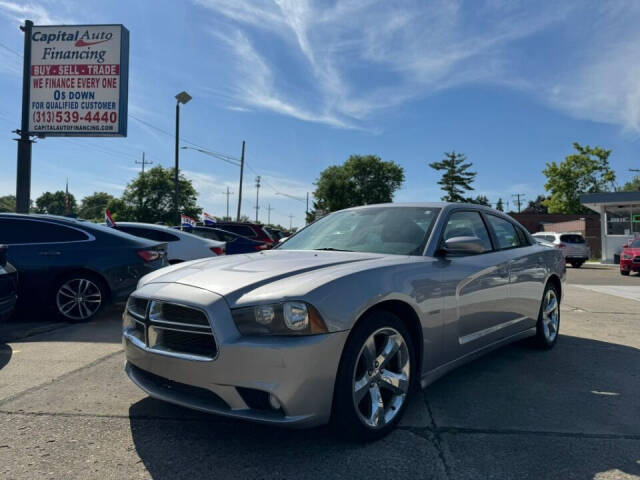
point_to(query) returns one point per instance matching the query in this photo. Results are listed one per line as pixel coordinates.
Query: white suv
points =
(572, 245)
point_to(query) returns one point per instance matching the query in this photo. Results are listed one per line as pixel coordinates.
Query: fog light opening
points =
(274, 402)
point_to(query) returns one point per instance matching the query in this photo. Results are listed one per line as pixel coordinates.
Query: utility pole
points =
(227, 193)
(23, 173)
(257, 196)
(269, 208)
(143, 162)
(290, 221)
(240, 186)
(518, 201)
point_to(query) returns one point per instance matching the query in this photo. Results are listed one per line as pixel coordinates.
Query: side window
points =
(15, 231)
(164, 236)
(505, 232)
(524, 239)
(138, 232)
(467, 224)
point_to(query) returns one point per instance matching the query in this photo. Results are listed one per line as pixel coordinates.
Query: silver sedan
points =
(345, 318)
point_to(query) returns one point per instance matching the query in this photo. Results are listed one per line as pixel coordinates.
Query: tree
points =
(93, 206)
(500, 205)
(587, 171)
(456, 179)
(479, 200)
(537, 206)
(631, 186)
(54, 203)
(8, 203)
(361, 180)
(149, 198)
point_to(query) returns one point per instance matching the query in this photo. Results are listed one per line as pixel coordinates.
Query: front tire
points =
(624, 272)
(374, 378)
(548, 324)
(79, 297)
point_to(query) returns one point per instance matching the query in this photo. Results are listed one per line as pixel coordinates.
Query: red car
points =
(630, 258)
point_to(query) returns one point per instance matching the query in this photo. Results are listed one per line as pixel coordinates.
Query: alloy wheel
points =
(78, 299)
(550, 315)
(381, 377)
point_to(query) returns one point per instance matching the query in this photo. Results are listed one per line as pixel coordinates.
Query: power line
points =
(257, 196)
(10, 50)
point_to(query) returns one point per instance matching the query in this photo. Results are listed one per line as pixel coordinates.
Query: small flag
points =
(108, 220)
(208, 219)
(186, 221)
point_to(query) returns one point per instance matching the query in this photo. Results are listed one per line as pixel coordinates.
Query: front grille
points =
(171, 329)
(636, 259)
(181, 389)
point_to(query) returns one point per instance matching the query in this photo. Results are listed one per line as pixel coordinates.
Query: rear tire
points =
(79, 297)
(374, 379)
(577, 264)
(548, 324)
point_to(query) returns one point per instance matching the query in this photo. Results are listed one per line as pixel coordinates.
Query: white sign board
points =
(79, 80)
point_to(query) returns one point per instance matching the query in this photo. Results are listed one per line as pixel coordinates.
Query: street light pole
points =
(240, 186)
(182, 97)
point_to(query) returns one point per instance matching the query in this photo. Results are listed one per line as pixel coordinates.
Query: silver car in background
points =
(341, 321)
(572, 245)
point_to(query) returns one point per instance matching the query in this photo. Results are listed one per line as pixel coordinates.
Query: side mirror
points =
(464, 245)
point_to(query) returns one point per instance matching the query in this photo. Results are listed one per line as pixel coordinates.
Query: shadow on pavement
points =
(571, 412)
(5, 355)
(36, 325)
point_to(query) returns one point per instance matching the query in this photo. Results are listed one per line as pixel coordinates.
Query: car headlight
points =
(287, 318)
(626, 256)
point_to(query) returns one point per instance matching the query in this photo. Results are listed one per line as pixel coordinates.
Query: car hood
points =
(241, 273)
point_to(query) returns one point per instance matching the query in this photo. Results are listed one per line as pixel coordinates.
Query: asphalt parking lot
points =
(68, 411)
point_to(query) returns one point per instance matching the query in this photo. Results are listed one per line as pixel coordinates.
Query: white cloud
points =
(39, 14)
(346, 62)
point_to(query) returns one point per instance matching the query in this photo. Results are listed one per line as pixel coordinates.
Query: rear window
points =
(149, 233)
(243, 230)
(571, 238)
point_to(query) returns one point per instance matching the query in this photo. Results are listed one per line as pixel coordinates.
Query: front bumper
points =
(298, 371)
(629, 265)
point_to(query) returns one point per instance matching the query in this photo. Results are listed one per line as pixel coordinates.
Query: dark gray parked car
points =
(8, 285)
(74, 267)
(339, 322)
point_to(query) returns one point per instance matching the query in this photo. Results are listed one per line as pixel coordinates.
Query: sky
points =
(306, 84)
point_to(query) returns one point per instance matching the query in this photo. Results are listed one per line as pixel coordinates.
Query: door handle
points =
(49, 253)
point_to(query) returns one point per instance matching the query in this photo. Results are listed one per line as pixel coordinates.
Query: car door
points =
(475, 288)
(526, 271)
(39, 250)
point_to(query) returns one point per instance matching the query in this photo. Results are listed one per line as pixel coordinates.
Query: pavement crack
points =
(437, 439)
(61, 377)
(541, 433)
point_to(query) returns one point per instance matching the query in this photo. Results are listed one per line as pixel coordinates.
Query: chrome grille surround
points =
(178, 331)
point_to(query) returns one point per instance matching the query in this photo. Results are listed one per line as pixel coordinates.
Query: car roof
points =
(81, 223)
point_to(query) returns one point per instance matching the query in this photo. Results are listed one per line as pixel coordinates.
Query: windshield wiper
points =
(331, 249)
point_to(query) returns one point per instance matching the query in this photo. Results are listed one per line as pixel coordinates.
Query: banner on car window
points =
(78, 80)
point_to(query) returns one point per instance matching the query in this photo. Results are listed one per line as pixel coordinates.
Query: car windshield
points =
(391, 230)
(635, 243)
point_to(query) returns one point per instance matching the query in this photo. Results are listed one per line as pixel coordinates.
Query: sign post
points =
(23, 171)
(75, 83)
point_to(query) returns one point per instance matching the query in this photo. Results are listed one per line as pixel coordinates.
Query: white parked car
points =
(181, 246)
(572, 245)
